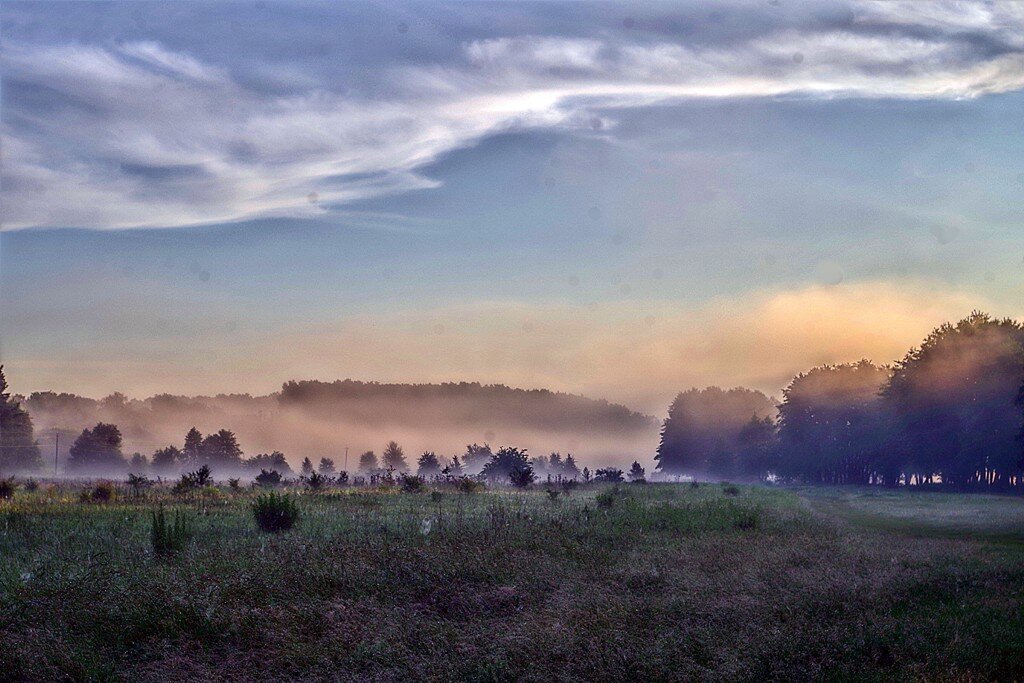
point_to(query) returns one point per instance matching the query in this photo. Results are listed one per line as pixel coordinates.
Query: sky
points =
(620, 200)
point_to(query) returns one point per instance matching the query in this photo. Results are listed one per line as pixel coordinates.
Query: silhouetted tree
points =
(609, 474)
(97, 449)
(307, 467)
(221, 450)
(192, 451)
(636, 472)
(18, 449)
(476, 458)
(701, 433)
(569, 468)
(326, 467)
(453, 468)
(953, 403)
(829, 424)
(503, 462)
(428, 465)
(394, 457)
(521, 475)
(757, 448)
(138, 463)
(273, 462)
(166, 460)
(368, 462)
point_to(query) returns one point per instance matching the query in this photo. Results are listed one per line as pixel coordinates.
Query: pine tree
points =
(368, 462)
(18, 449)
(394, 457)
(428, 465)
(192, 453)
(307, 467)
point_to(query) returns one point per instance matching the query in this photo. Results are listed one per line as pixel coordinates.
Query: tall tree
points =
(326, 467)
(954, 403)
(829, 429)
(476, 457)
(394, 457)
(368, 462)
(428, 465)
(504, 462)
(700, 435)
(192, 452)
(18, 449)
(166, 460)
(221, 450)
(97, 450)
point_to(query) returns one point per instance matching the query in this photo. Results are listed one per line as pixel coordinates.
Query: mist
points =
(322, 420)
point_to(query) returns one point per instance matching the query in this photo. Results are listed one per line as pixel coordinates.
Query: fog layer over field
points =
(317, 419)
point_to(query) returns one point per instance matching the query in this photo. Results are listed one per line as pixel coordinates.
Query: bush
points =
(609, 474)
(605, 499)
(436, 496)
(235, 484)
(7, 487)
(268, 478)
(194, 480)
(169, 536)
(731, 490)
(694, 484)
(522, 476)
(342, 478)
(412, 483)
(138, 483)
(316, 481)
(102, 493)
(552, 494)
(31, 485)
(275, 512)
(467, 484)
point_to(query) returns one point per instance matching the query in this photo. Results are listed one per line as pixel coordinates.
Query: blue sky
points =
(617, 199)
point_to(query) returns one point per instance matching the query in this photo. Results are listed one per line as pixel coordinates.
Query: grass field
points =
(640, 582)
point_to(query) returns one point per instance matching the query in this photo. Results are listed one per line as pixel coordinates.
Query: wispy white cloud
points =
(139, 135)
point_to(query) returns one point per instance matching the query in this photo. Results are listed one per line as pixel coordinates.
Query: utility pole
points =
(346, 458)
(56, 451)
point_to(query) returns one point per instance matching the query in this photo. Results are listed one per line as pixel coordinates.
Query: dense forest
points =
(948, 413)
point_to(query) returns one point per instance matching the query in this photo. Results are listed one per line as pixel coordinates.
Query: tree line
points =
(949, 413)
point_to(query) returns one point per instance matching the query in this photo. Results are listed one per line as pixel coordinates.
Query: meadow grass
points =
(658, 582)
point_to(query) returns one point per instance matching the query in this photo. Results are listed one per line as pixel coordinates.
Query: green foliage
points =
(411, 483)
(268, 478)
(521, 475)
(275, 512)
(730, 490)
(316, 481)
(612, 475)
(394, 457)
(190, 481)
(466, 484)
(102, 492)
(169, 536)
(97, 449)
(7, 488)
(605, 499)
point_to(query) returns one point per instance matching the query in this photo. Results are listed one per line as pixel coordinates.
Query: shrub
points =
(552, 494)
(31, 485)
(316, 481)
(275, 512)
(694, 484)
(342, 478)
(605, 499)
(7, 487)
(139, 483)
(609, 474)
(194, 480)
(745, 520)
(268, 478)
(412, 483)
(102, 492)
(568, 485)
(521, 475)
(436, 496)
(731, 490)
(235, 484)
(467, 484)
(169, 536)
